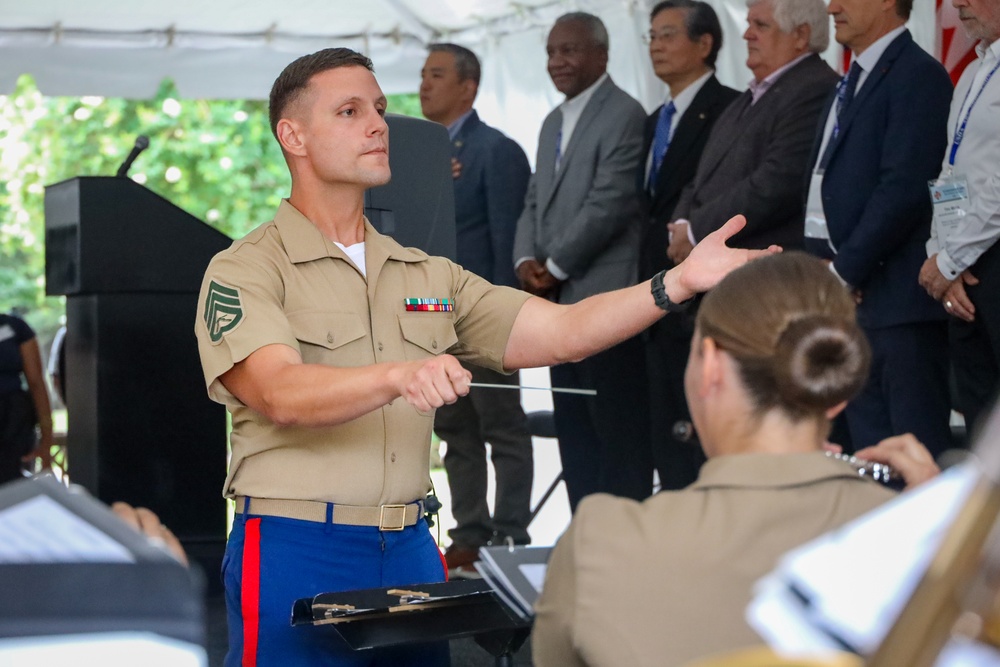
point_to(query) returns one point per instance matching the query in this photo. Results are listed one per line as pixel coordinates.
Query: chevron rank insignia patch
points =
(223, 310)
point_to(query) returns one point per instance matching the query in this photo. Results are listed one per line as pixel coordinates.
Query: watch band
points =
(661, 299)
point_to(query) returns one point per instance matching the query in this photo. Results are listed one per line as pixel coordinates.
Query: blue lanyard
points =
(960, 131)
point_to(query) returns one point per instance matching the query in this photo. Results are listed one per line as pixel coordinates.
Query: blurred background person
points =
(491, 175)
(579, 236)
(756, 158)
(962, 269)
(22, 410)
(879, 141)
(684, 40)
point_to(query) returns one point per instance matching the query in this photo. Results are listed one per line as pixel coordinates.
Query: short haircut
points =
(598, 33)
(903, 9)
(789, 14)
(699, 19)
(294, 79)
(466, 62)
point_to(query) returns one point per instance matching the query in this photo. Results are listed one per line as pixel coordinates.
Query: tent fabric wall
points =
(516, 93)
(235, 48)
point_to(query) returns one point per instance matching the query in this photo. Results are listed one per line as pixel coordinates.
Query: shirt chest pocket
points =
(327, 337)
(427, 334)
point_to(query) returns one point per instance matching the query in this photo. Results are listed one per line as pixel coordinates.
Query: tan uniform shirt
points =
(668, 580)
(286, 283)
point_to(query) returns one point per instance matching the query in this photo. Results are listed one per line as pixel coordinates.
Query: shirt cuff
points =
(946, 266)
(687, 226)
(521, 261)
(554, 269)
(932, 246)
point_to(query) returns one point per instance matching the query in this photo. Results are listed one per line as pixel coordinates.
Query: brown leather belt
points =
(385, 517)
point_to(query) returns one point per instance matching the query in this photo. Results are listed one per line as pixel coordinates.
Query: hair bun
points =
(820, 361)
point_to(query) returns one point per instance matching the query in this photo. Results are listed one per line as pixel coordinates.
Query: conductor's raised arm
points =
(546, 333)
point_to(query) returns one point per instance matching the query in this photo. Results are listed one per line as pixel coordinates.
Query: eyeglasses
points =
(663, 36)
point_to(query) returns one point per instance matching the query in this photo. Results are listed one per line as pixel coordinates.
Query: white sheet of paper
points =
(112, 649)
(40, 530)
(535, 574)
(891, 546)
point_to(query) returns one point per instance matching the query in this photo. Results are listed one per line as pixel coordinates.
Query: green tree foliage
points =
(216, 159)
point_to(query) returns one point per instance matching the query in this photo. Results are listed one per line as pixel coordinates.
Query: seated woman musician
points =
(775, 356)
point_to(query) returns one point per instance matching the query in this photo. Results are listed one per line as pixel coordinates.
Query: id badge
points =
(815, 216)
(950, 197)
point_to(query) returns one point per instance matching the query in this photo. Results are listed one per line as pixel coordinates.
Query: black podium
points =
(141, 426)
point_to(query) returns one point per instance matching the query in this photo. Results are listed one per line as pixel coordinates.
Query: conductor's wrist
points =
(673, 285)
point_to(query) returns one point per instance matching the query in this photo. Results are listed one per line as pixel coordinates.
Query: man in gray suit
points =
(579, 235)
(756, 159)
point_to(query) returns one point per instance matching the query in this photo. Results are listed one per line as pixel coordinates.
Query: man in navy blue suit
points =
(491, 175)
(684, 40)
(880, 141)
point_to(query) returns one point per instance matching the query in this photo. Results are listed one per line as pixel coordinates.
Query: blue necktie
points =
(845, 93)
(558, 149)
(661, 142)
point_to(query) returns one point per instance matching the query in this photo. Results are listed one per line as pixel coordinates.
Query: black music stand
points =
(383, 617)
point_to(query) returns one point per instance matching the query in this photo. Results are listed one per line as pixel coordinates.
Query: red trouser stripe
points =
(444, 564)
(250, 591)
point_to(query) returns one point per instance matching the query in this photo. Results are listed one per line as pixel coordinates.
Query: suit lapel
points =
(545, 166)
(458, 143)
(875, 77)
(689, 128)
(727, 133)
(590, 112)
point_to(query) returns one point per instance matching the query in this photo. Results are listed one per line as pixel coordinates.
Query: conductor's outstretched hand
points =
(711, 259)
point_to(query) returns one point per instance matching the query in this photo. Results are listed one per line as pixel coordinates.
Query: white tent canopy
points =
(235, 48)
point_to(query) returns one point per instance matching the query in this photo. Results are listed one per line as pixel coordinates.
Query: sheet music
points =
(40, 530)
(815, 599)
(535, 574)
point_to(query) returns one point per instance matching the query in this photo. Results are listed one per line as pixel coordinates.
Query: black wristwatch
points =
(660, 296)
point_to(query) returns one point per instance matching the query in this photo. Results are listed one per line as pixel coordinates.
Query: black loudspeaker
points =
(141, 426)
(417, 207)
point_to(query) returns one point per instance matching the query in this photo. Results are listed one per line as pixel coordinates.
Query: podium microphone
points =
(141, 144)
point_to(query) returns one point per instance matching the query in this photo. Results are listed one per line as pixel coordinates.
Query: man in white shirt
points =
(962, 269)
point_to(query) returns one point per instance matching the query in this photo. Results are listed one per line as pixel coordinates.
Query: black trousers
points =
(604, 439)
(975, 347)
(17, 432)
(907, 390)
(677, 454)
(494, 416)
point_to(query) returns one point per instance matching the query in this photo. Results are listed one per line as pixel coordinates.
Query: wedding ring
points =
(947, 305)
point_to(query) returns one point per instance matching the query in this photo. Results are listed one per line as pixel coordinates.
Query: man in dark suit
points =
(684, 40)
(759, 149)
(579, 236)
(491, 175)
(881, 138)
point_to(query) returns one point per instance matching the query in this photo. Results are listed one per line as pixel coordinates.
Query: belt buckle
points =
(392, 518)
